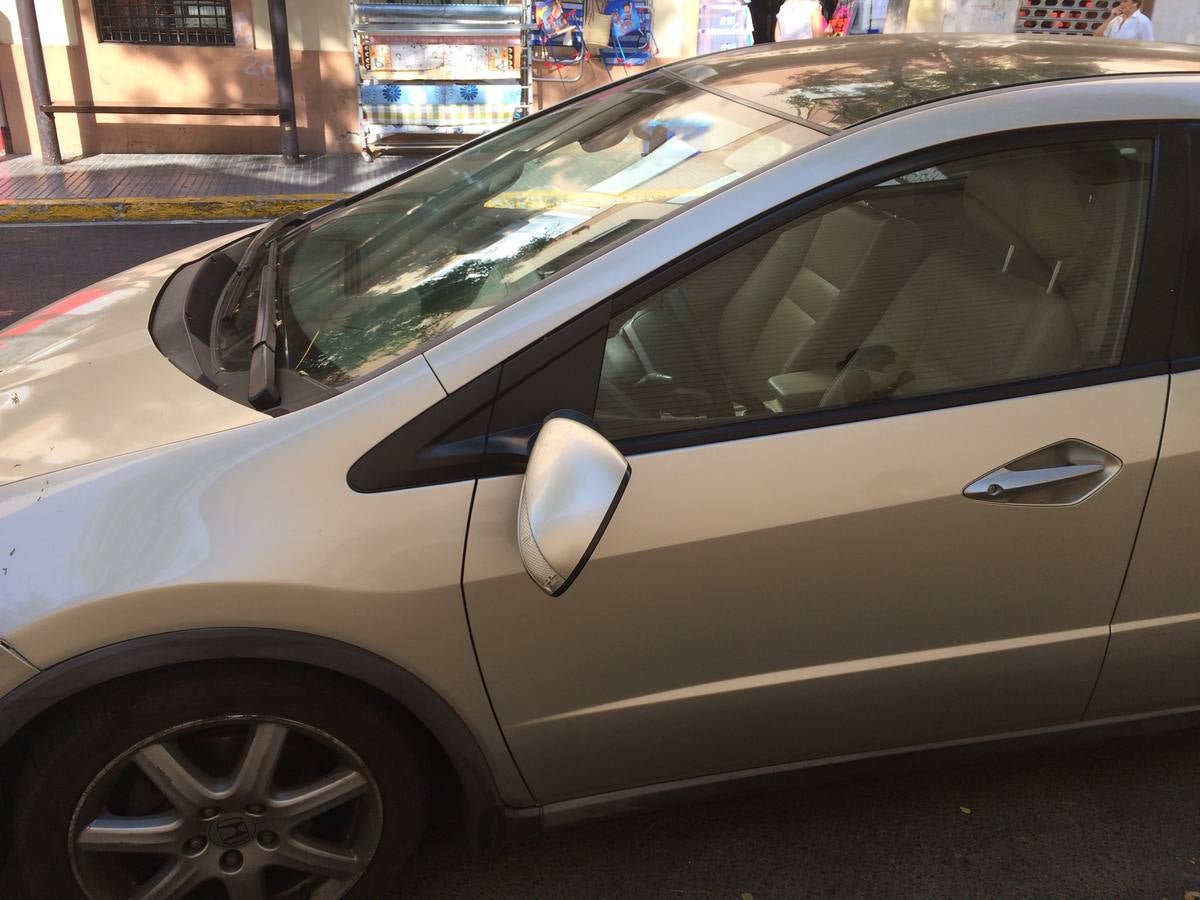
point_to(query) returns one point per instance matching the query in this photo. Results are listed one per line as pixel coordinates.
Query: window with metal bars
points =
(205, 23)
(1079, 17)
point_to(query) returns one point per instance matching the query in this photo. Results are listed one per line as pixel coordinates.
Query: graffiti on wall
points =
(257, 65)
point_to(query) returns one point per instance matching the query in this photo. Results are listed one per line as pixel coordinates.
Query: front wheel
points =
(221, 783)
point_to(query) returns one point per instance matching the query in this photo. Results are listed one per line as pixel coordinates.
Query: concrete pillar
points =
(6, 144)
(926, 15)
(39, 86)
(897, 17)
(281, 52)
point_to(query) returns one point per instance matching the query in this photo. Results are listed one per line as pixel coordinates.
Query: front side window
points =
(370, 283)
(986, 271)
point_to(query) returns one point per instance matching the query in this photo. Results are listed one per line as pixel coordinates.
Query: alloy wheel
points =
(235, 807)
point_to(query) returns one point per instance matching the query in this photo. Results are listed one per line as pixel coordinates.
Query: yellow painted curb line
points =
(151, 209)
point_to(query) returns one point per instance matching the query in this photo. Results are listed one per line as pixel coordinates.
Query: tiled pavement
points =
(189, 175)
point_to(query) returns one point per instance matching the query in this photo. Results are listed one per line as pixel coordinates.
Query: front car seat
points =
(961, 320)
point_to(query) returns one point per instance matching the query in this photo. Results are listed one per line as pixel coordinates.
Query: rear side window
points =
(990, 270)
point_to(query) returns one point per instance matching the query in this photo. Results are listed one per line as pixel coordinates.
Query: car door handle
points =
(1006, 481)
(1061, 474)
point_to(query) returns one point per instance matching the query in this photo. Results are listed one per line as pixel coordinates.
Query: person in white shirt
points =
(1128, 23)
(799, 20)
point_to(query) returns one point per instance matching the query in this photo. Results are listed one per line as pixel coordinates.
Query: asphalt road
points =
(41, 264)
(1119, 822)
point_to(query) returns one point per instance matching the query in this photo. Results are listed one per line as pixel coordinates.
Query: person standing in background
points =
(799, 20)
(1128, 23)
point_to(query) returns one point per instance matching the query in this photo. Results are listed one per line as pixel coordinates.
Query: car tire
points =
(329, 737)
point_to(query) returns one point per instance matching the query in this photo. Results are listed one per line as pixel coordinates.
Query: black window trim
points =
(1185, 340)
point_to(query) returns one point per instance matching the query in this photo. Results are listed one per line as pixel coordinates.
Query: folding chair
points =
(558, 40)
(632, 38)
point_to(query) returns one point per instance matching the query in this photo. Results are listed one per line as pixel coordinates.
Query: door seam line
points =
(1132, 550)
(462, 592)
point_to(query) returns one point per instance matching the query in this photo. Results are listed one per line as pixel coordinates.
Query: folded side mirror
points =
(573, 483)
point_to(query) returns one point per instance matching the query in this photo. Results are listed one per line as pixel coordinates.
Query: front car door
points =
(1150, 665)
(808, 561)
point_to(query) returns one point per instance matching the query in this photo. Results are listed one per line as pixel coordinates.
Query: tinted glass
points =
(380, 278)
(991, 270)
(841, 83)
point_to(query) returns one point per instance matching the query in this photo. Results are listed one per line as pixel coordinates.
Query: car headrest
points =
(1034, 201)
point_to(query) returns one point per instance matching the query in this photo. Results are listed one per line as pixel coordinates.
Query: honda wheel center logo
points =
(232, 832)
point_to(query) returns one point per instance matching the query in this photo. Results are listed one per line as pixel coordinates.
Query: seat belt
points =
(682, 313)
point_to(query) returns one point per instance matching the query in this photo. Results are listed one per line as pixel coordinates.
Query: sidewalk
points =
(140, 187)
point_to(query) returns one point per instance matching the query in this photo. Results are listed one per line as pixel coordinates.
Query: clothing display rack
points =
(724, 25)
(433, 75)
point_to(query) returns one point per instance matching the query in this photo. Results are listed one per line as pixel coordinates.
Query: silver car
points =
(775, 410)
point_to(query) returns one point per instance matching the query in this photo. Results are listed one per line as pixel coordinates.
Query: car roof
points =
(836, 84)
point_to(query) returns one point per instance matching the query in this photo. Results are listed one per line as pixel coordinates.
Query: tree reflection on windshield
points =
(382, 277)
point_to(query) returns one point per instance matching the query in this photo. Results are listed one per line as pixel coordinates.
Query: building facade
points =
(1174, 20)
(207, 52)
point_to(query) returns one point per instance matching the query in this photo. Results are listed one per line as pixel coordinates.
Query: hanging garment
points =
(839, 25)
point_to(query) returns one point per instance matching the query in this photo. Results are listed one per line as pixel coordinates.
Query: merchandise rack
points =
(433, 75)
(724, 25)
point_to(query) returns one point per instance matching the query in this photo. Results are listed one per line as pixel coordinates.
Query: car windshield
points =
(372, 282)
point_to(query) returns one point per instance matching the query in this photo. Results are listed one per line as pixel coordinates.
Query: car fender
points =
(255, 528)
(485, 809)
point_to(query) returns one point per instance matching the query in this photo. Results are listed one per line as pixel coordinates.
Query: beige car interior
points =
(1002, 268)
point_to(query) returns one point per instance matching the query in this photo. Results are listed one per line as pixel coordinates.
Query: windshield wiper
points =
(263, 392)
(237, 283)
